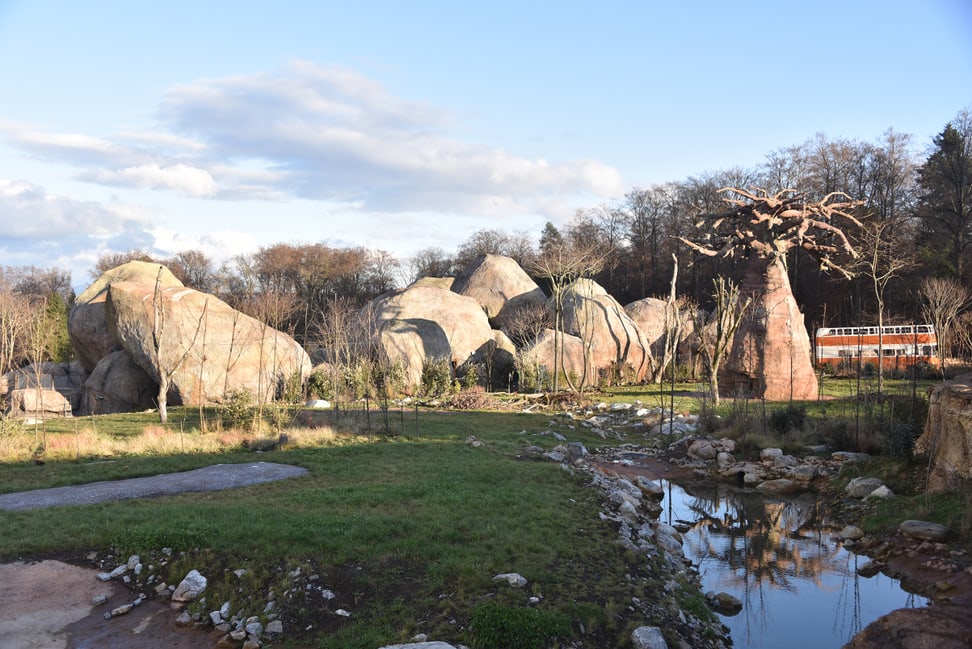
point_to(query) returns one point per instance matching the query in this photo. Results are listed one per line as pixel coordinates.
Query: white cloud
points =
(27, 211)
(184, 179)
(321, 133)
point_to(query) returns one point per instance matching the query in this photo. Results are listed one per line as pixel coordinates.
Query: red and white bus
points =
(902, 346)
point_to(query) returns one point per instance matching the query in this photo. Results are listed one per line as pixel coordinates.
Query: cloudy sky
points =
(225, 126)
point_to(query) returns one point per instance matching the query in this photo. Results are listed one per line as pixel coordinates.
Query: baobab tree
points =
(770, 354)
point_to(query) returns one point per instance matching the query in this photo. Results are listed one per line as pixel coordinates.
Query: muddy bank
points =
(48, 605)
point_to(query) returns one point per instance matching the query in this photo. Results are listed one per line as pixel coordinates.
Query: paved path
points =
(210, 478)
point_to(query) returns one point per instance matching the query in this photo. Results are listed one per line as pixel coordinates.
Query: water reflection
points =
(779, 557)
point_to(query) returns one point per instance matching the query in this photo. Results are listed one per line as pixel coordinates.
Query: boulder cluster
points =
(138, 326)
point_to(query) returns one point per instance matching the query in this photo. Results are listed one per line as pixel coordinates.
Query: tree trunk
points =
(770, 355)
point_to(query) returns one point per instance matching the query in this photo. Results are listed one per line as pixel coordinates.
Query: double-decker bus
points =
(902, 346)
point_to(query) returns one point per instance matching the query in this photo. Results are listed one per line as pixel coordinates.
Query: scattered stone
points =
(852, 532)
(881, 493)
(275, 627)
(870, 569)
(724, 603)
(648, 637)
(253, 626)
(923, 530)
(119, 610)
(779, 486)
(98, 600)
(847, 457)
(191, 587)
(514, 579)
(770, 454)
(862, 487)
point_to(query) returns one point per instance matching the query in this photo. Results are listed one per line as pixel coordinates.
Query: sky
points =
(399, 126)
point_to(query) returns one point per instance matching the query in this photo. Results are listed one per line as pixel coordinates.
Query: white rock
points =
(191, 587)
(648, 637)
(514, 579)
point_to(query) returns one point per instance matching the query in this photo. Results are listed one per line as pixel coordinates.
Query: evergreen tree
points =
(945, 202)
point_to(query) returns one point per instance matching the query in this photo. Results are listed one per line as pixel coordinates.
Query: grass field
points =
(407, 527)
(408, 530)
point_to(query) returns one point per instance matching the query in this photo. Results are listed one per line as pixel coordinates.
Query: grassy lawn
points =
(407, 530)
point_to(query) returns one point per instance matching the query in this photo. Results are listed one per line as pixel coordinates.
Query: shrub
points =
(319, 385)
(236, 410)
(788, 419)
(436, 377)
(496, 626)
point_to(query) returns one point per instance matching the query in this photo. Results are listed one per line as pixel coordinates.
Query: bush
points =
(436, 377)
(789, 419)
(319, 385)
(495, 626)
(236, 410)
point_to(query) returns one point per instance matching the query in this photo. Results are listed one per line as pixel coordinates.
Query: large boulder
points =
(422, 323)
(66, 378)
(770, 356)
(37, 402)
(537, 361)
(947, 438)
(500, 286)
(613, 339)
(87, 325)
(649, 316)
(207, 348)
(118, 384)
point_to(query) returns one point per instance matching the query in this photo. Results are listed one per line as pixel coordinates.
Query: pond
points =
(780, 557)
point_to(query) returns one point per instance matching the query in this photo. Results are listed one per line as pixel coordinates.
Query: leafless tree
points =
(763, 228)
(716, 331)
(164, 361)
(943, 299)
(561, 265)
(883, 256)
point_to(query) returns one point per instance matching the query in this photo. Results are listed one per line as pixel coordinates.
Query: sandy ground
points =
(47, 605)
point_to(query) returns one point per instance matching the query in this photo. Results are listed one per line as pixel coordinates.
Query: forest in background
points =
(916, 211)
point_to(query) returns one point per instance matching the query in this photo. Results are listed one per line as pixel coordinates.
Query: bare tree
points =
(943, 299)
(716, 331)
(167, 365)
(561, 265)
(762, 229)
(883, 256)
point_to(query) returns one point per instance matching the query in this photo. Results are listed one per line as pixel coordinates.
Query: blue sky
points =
(226, 126)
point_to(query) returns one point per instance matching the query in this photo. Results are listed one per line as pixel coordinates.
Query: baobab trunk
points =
(770, 354)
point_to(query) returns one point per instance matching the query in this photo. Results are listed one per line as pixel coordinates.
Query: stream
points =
(780, 557)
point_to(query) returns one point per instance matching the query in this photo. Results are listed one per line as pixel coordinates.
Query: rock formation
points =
(947, 438)
(423, 323)
(500, 286)
(87, 325)
(770, 354)
(64, 380)
(609, 335)
(538, 361)
(118, 384)
(208, 349)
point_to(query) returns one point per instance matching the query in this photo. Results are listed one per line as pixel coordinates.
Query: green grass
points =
(415, 526)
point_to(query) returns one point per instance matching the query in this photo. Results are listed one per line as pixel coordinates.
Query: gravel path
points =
(210, 478)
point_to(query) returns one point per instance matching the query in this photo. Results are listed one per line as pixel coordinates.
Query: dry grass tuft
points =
(21, 443)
